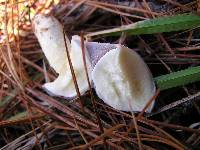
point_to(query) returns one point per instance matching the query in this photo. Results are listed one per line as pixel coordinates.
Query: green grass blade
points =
(158, 25)
(18, 116)
(178, 78)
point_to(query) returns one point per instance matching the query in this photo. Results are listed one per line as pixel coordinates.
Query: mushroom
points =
(49, 33)
(120, 76)
(123, 80)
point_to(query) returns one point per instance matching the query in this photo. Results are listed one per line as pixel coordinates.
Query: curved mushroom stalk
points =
(123, 80)
(50, 36)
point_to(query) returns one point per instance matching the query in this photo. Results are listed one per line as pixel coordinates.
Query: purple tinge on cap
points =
(97, 50)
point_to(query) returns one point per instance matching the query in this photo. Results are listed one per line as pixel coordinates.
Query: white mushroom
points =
(123, 80)
(50, 36)
(120, 76)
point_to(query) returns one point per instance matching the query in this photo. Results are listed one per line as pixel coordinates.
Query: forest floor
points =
(32, 119)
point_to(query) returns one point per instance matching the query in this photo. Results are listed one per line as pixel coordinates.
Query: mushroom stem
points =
(50, 36)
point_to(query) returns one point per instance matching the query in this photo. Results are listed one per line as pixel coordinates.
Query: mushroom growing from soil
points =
(49, 33)
(120, 76)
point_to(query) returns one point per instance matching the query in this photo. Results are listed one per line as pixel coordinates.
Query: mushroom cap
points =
(123, 80)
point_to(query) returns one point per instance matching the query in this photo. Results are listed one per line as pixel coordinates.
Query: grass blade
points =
(158, 25)
(178, 78)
